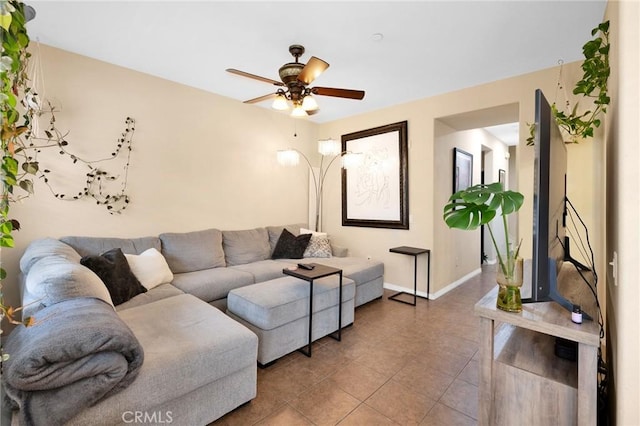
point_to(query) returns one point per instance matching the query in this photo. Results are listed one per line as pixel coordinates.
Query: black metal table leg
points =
(308, 351)
(339, 332)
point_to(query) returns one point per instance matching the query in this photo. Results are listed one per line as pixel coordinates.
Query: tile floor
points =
(397, 364)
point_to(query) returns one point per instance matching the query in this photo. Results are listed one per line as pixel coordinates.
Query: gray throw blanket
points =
(78, 352)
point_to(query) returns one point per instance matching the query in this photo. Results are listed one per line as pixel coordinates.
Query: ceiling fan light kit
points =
(309, 103)
(280, 102)
(296, 76)
(298, 111)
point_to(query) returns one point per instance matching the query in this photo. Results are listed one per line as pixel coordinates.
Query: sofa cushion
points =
(53, 279)
(245, 246)
(265, 270)
(275, 231)
(114, 271)
(157, 293)
(211, 284)
(276, 302)
(150, 268)
(193, 251)
(88, 246)
(358, 269)
(290, 246)
(45, 247)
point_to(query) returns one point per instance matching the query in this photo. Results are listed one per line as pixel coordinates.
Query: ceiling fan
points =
(293, 88)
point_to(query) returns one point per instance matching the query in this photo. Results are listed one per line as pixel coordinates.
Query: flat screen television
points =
(550, 246)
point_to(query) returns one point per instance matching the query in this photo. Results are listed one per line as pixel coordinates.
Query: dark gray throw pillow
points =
(290, 247)
(114, 271)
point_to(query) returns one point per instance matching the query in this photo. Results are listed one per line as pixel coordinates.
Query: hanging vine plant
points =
(593, 85)
(21, 142)
(13, 77)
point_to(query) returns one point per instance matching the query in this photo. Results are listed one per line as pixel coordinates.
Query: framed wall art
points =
(502, 178)
(375, 192)
(462, 170)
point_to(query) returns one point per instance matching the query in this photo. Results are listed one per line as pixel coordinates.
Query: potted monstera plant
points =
(478, 205)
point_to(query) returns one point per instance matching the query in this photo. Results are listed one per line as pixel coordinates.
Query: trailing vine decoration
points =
(593, 85)
(13, 83)
(97, 179)
(21, 144)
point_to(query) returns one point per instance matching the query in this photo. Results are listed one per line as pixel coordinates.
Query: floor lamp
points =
(329, 150)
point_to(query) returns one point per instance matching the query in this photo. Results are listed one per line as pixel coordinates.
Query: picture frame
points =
(375, 194)
(502, 178)
(462, 170)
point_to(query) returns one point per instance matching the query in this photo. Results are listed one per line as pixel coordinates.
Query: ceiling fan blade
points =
(312, 70)
(338, 93)
(260, 99)
(255, 77)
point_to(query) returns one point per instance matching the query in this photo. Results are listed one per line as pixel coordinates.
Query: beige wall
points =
(199, 160)
(425, 207)
(463, 247)
(622, 224)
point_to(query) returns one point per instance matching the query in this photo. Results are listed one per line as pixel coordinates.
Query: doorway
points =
(473, 132)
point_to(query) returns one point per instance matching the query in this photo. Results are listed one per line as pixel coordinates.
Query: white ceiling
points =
(428, 47)
(507, 133)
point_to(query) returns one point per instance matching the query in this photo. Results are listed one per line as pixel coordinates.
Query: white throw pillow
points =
(309, 231)
(318, 245)
(150, 268)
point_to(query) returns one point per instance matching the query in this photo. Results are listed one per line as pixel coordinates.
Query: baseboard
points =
(433, 296)
(457, 282)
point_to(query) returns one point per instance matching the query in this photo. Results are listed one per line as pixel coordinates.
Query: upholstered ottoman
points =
(368, 275)
(277, 311)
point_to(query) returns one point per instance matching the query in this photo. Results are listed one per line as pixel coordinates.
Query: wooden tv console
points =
(521, 379)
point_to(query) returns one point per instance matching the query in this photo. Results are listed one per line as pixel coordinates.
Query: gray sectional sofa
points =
(199, 363)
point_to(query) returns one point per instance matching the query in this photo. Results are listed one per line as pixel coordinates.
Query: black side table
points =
(318, 271)
(413, 251)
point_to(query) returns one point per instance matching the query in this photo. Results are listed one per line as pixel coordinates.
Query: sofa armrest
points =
(339, 251)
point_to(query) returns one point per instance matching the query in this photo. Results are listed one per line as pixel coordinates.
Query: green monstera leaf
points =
(479, 204)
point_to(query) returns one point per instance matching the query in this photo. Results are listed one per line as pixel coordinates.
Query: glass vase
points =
(509, 283)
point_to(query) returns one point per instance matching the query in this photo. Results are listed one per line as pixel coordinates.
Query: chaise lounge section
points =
(198, 364)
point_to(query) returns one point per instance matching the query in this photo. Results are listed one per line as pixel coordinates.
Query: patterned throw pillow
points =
(318, 245)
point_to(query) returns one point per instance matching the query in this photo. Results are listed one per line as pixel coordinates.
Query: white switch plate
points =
(614, 267)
